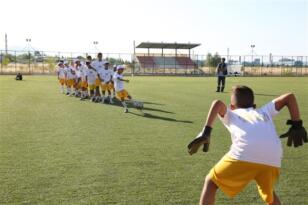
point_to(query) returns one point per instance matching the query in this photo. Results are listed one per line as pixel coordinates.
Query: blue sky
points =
(278, 27)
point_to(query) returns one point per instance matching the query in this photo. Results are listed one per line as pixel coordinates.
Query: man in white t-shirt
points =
(91, 77)
(106, 77)
(98, 65)
(256, 152)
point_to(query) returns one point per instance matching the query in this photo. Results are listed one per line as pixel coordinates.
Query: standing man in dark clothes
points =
(222, 72)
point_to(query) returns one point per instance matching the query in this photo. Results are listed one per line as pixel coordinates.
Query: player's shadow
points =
(152, 103)
(151, 116)
(129, 105)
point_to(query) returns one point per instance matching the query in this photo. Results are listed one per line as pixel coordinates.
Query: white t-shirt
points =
(69, 73)
(78, 73)
(91, 75)
(61, 72)
(83, 72)
(98, 64)
(253, 134)
(118, 84)
(106, 75)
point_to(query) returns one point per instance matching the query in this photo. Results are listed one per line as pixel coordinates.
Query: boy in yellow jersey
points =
(122, 94)
(106, 78)
(256, 151)
(91, 77)
(61, 75)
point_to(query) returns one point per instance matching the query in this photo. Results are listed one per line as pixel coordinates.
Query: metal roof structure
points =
(162, 45)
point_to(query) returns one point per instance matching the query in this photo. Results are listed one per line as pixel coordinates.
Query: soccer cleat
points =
(125, 110)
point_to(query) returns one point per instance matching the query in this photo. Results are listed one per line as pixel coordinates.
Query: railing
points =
(44, 62)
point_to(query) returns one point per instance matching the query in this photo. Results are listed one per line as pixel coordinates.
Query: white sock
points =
(124, 104)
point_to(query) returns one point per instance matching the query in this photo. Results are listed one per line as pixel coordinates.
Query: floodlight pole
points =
(95, 43)
(28, 40)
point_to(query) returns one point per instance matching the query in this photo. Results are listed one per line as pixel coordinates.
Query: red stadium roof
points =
(168, 45)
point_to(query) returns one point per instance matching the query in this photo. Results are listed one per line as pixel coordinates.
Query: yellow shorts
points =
(62, 81)
(122, 94)
(70, 82)
(84, 84)
(78, 85)
(105, 86)
(92, 86)
(97, 82)
(232, 175)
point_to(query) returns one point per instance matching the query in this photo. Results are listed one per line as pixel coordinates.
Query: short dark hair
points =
(244, 96)
(223, 59)
(99, 54)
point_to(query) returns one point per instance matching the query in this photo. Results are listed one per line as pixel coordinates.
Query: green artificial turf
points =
(56, 149)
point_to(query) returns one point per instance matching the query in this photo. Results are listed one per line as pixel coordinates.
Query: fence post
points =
(1, 61)
(43, 62)
(15, 59)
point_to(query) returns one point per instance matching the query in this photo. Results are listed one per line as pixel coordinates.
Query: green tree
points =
(6, 60)
(51, 63)
(212, 61)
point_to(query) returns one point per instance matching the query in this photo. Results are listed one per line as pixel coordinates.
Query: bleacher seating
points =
(181, 62)
(146, 61)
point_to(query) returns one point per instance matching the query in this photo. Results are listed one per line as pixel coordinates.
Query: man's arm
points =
(288, 100)
(217, 108)
(296, 134)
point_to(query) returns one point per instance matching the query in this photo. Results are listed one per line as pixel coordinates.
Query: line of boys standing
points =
(97, 77)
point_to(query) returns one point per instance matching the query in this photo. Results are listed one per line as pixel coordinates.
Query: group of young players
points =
(93, 80)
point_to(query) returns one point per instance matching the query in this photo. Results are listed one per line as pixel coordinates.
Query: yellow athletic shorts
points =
(97, 82)
(122, 94)
(105, 86)
(84, 84)
(232, 175)
(78, 85)
(62, 81)
(70, 82)
(92, 86)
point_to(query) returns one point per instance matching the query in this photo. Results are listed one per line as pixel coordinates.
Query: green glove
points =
(297, 134)
(203, 138)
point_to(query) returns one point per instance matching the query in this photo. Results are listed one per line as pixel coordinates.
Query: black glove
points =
(203, 138)
(296, 134)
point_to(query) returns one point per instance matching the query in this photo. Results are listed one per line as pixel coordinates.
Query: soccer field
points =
(56, 149)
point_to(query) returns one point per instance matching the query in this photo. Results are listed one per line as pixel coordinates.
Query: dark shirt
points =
(222, 69)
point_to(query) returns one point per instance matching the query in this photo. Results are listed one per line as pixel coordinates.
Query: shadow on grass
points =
(151, 116)
(118, 104)
(152, 103)
(148, 115)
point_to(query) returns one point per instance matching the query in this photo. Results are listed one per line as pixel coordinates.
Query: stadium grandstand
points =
(164, 62)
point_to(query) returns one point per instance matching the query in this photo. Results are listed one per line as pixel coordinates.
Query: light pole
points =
(252, 47)
(28, 40)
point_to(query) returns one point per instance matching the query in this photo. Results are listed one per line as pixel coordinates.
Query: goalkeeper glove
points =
(296, 134)
(203, 138)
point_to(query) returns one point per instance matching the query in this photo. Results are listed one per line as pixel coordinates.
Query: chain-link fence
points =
(43, 62)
